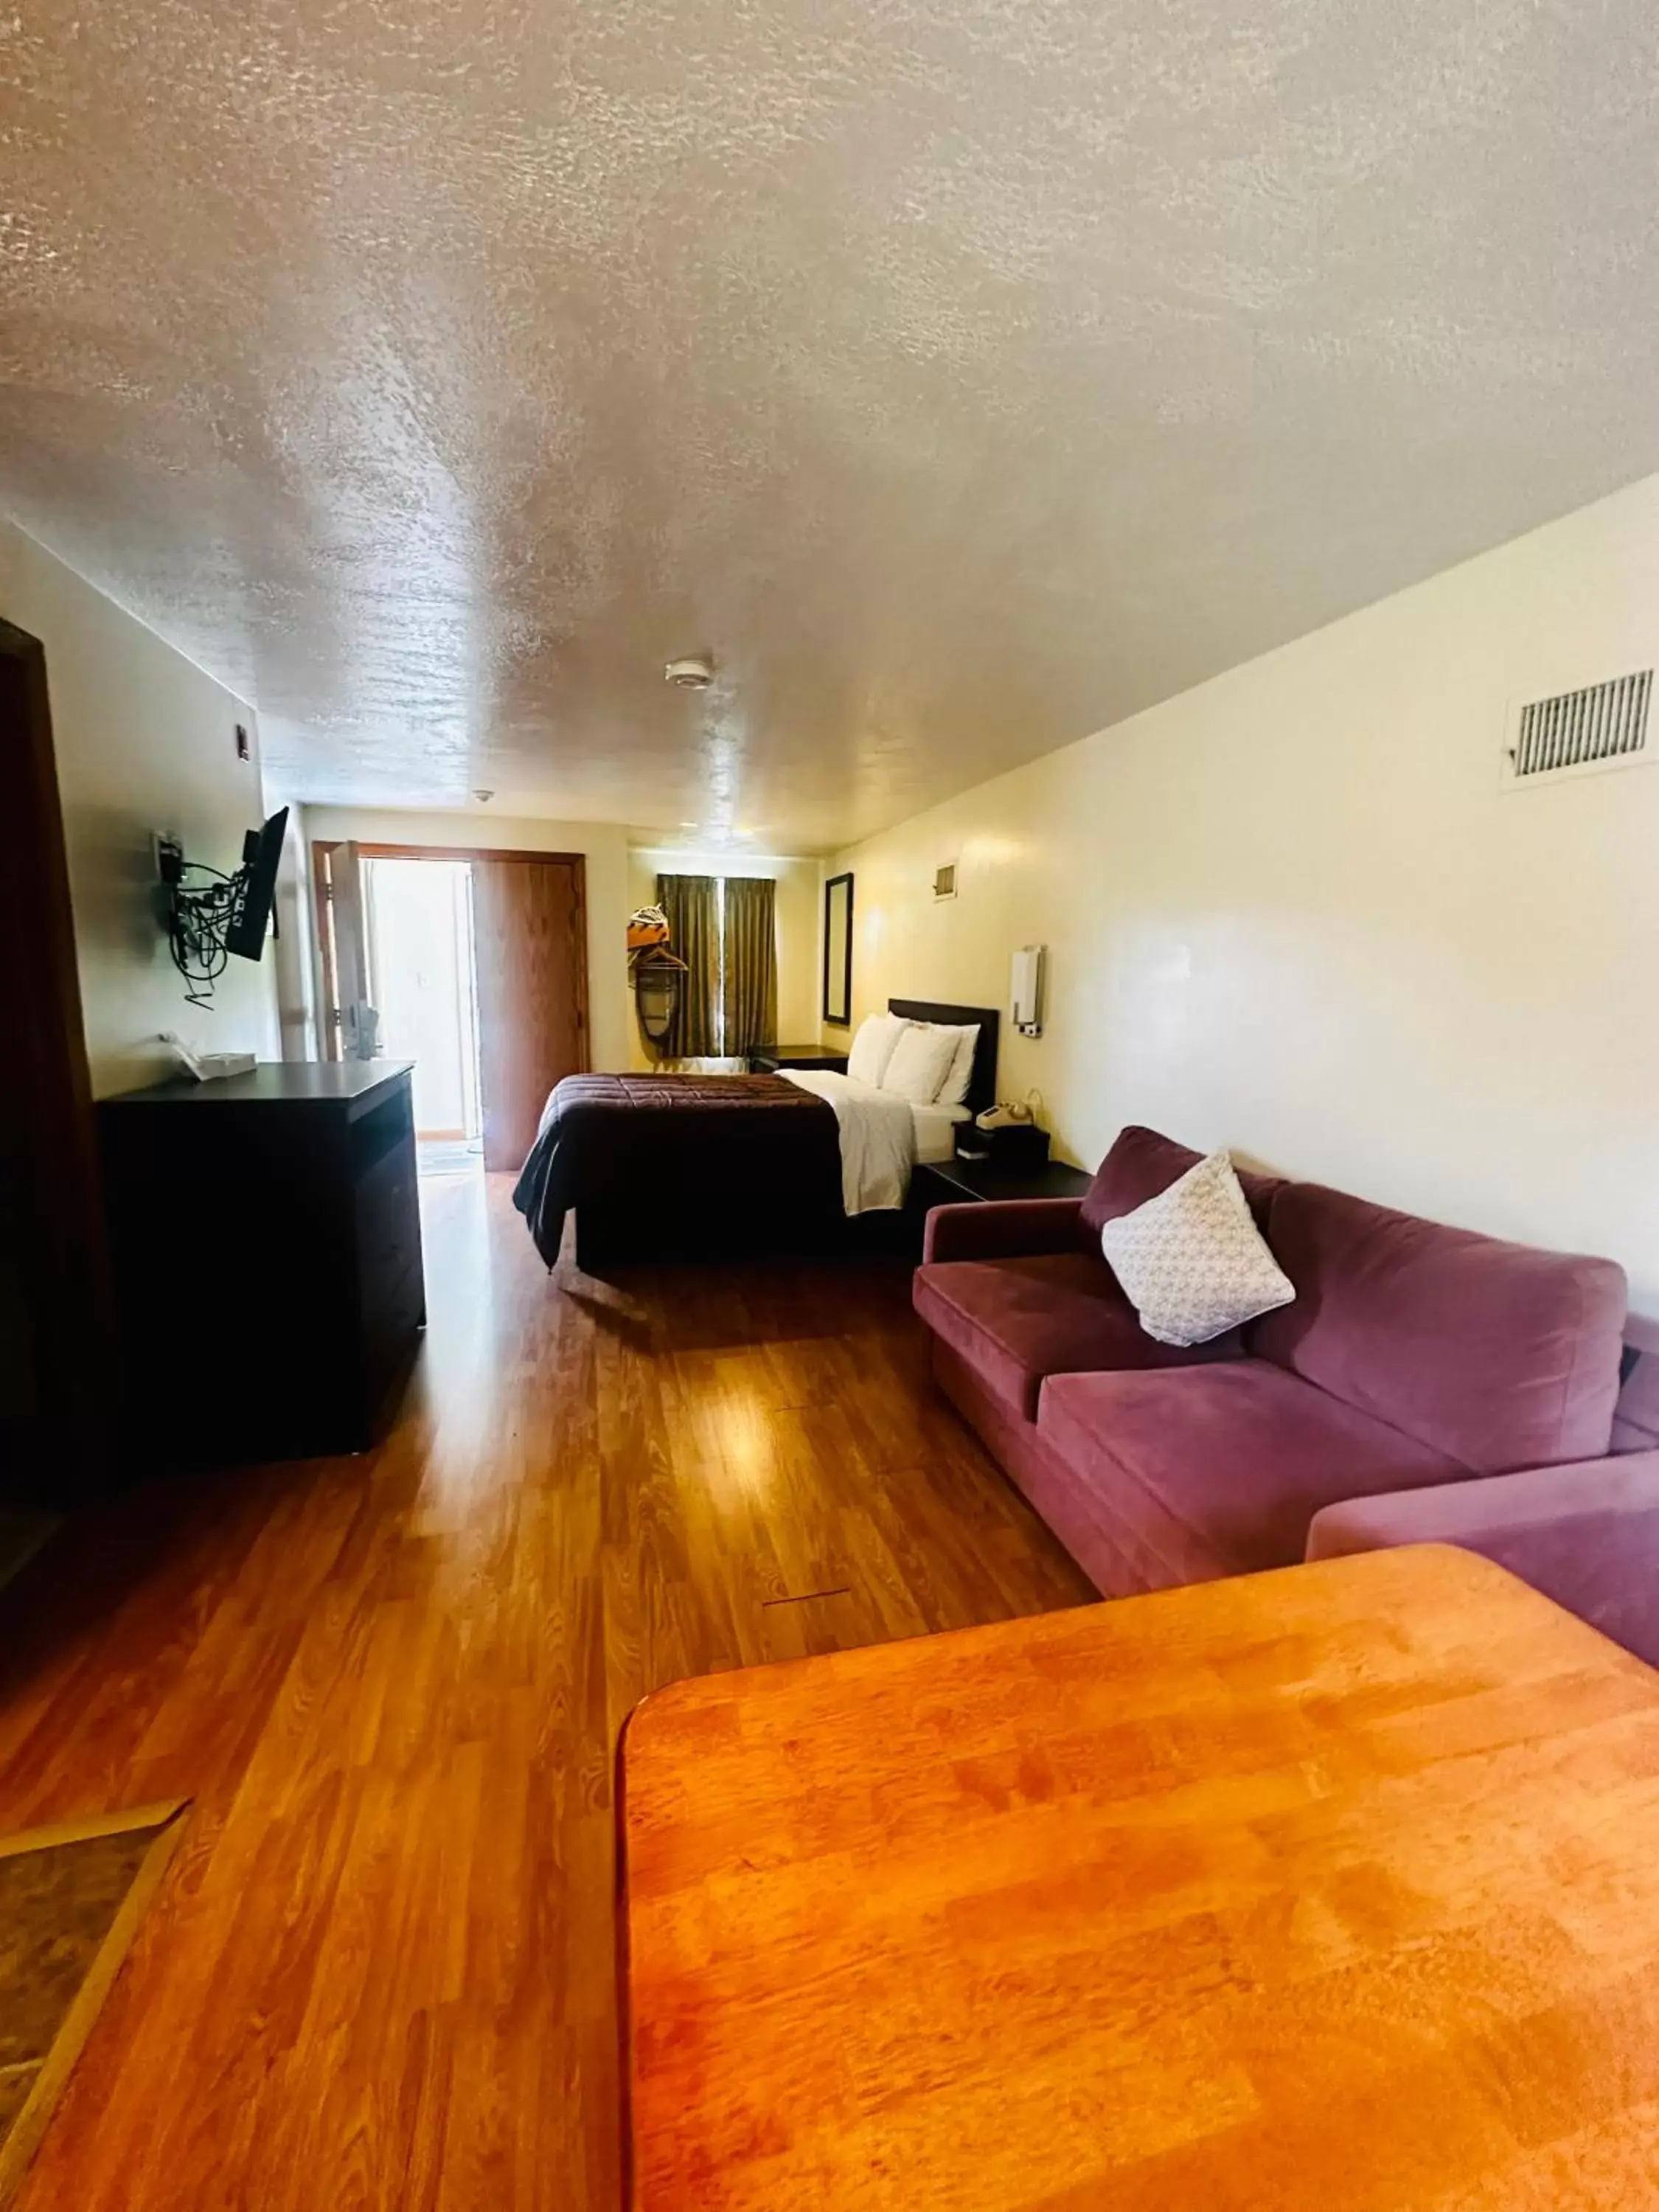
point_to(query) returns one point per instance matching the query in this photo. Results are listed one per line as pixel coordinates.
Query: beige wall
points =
(798, 894)
(145, 743)
(1292, 911)
(602, 844)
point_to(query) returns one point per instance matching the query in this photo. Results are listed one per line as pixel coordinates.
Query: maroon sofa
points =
(1424, 1384)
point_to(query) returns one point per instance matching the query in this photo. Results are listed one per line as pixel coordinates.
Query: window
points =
(724, 929)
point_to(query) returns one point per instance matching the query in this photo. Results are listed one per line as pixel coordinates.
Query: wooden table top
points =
(1335, 1888)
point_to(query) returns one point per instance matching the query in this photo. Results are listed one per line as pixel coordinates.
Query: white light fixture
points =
(695, 673)
(1025, 989)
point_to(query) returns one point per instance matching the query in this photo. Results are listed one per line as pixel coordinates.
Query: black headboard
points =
(983, 1084)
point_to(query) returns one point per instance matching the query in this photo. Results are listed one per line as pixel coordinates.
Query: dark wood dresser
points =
(266, 1239)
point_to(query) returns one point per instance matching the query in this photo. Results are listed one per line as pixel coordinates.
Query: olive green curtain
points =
(750, 993)
(693, 908)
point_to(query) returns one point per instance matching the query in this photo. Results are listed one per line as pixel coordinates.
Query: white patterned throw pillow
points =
(1192, 1261)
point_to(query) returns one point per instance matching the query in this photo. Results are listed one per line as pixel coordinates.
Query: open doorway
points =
(422, 982)
(489, 965)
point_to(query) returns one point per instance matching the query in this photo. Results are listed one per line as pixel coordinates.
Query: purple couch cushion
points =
(1588, 1536)
(1015, 1321)
(1221, 1469)
(1636, 1417)
(1500, 1355)
(1139, 1165)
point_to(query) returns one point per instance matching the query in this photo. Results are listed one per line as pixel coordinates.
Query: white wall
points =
(798, 893)
(145, 743)
(1292, 912)
(602, 844)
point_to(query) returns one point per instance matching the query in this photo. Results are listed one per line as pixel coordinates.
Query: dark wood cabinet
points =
(266, 1238)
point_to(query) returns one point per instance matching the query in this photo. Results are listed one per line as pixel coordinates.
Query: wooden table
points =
(1334, 1888)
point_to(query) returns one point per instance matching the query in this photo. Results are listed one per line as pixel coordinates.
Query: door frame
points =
(332, 1043)
(326, 945)
(68, 1296)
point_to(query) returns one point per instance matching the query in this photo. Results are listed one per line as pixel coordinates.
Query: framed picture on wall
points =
(838, 949)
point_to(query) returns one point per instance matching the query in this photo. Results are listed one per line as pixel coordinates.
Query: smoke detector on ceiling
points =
(695, 673)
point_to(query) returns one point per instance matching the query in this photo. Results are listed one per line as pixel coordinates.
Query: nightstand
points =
(957, 1182)
(769, 1060)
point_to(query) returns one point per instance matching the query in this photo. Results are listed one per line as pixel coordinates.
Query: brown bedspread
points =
(659, 1158)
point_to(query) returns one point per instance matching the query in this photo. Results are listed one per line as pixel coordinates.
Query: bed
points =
(658, 1167)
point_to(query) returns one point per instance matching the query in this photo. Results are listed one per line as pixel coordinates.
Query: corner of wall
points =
(145, 742)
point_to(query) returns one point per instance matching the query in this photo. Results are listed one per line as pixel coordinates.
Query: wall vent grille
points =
(944, 881)
(1601, 726)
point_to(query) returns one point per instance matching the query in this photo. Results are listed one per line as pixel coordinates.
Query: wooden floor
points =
(381, 1970)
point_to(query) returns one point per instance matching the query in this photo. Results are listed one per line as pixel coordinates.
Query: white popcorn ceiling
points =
(964, 374)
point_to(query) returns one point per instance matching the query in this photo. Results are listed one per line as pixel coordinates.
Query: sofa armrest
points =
(1586, 1535)
(1003, 1229)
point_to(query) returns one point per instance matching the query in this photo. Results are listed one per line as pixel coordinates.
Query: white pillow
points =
(872, 1048)
(1192, 1261)
(960, 1073)
(921, 1060)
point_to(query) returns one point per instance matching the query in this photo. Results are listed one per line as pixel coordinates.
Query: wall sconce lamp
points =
(1025, 989)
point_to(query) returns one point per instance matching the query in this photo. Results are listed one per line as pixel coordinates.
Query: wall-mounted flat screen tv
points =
(249, 922)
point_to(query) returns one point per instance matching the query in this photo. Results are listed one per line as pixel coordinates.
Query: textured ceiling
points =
(964, 374)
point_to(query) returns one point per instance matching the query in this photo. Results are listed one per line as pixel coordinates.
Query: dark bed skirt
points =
(604, 1239)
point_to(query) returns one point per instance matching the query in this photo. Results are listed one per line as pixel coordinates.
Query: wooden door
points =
(342, 944)
(530, 939)
(57, 1346)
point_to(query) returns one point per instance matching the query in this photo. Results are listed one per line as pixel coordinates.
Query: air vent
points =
(1575, 732)
(944, 881)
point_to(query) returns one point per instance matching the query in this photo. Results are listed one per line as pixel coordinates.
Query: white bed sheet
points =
(877, 1137)
(936, 1131)
(883, 1137)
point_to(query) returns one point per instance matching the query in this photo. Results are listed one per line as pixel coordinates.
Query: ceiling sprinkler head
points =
(484, 798)
(694, 673)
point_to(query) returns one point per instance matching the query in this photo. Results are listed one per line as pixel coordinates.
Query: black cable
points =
(197, 919)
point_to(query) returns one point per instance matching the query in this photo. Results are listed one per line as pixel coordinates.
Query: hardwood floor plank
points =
(382, 1970)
